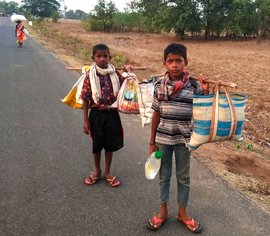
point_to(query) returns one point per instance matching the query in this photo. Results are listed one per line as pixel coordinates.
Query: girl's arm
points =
(155, 123)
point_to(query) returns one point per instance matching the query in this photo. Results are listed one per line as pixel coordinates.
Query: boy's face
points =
(101, 58)
(174, 64)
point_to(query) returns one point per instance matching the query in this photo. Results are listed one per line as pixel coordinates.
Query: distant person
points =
(171, 131)
(103, 123)
(19, 33)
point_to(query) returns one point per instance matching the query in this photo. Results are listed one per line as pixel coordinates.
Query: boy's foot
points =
(92, 179)
(155, 223)
(113, 181)
(191, 225)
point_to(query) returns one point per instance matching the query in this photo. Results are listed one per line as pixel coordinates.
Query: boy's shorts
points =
(106, 130)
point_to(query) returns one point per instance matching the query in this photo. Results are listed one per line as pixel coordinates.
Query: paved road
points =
(45, 157)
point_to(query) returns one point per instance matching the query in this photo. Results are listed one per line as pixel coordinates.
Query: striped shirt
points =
(175, 115)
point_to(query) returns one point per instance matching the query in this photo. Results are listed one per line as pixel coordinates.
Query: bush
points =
(55, 16)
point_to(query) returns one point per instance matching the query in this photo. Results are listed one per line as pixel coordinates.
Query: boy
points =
(19, 34)
(99, 92)
(171, 130)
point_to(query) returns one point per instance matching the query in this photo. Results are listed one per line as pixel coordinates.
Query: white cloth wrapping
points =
(95, 83)
(145, 91)
(15, 18)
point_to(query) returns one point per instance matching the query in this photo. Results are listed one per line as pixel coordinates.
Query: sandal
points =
(114, 182)
(91, 180)
(158, 222)
(191, 225)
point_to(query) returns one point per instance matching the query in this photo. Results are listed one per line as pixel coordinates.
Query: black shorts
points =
(106, 130)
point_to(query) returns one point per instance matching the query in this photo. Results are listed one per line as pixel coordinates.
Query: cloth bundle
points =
(73, 97)
(145, 98)
(217, 117)
(16, 17)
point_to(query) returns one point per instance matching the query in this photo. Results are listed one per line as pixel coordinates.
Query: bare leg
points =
(108, 162)
(94, 177)
(182, 214)
(112, 180)
(162, 214)
(97, 157)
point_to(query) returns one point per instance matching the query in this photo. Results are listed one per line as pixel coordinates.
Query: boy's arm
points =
(155, 123)
(204, 85)
(86, 124)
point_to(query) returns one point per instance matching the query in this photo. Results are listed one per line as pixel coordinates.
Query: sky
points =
(85, 5)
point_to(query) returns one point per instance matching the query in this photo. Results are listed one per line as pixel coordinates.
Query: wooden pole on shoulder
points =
(231, 85)
(118, 68)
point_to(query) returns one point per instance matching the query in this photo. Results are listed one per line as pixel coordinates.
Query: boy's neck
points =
(178, 77)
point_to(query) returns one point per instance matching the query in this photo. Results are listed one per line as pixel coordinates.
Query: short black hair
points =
(176, 48)
(100, 47)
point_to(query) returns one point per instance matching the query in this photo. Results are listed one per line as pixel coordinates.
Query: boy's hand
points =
(127, 68)
(86, 127)
(204, 85)
(152, 148)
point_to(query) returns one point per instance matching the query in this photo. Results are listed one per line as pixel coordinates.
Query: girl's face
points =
(175, 65)
(101, 58)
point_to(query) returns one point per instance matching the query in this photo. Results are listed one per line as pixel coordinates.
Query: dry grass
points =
(245, 63)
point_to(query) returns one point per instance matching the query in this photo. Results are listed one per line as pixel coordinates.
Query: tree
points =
(153, 10)
(9, 7)
(103, 18)
(183, 17)
(263, 9)
(78, 14)
(41, 8)
(177, 15)
(70, 14)
(242, 18)
(212, 13)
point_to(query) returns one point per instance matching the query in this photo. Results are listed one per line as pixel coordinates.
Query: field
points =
(246, 63)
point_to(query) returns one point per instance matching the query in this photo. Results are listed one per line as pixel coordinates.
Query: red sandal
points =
(114, 182)
(91, 180)
(191, 225)
(158, 222)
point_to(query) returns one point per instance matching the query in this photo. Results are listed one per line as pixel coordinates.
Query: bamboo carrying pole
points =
(133, 68)
(231, 85)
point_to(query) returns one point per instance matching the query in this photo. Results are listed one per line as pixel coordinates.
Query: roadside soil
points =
(246, 167)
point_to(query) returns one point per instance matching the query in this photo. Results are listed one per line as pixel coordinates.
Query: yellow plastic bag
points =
(73, 97)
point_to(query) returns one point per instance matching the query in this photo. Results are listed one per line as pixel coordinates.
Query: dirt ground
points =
(247, 63)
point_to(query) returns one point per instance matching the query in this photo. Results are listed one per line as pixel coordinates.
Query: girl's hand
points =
(152, 148)
(204, 84)
(86, 127)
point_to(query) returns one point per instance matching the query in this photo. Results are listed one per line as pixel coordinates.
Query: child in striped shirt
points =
(171, 131)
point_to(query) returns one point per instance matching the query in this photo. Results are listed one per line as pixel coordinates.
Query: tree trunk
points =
(207, 31)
